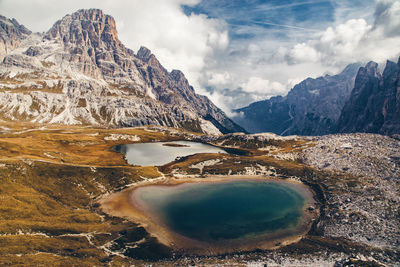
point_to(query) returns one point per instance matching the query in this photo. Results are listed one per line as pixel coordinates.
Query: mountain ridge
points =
(359, 99)
(11, 35)
(311, 107)
(78, 72)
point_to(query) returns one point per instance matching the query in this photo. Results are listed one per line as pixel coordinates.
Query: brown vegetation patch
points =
(47, 64)
(82, 103)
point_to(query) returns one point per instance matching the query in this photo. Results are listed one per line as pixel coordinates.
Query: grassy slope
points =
(49, 179)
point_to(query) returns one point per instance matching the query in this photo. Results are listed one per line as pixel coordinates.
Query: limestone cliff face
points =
(80, 73)
(374, 104)
(11, 35)
(312, 107)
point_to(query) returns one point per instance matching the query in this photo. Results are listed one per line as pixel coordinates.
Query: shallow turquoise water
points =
(157, 154)
(225, 211)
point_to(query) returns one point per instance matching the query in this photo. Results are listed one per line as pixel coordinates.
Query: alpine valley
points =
(74, 100)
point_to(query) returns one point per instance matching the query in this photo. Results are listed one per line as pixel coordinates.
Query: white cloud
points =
(292, 82)
(387, 17)
(254, 89)
(179, 41)
(355, 40)
(216, 78)
(303, 53)
(264, 87)
(335, 45)
(222, 101)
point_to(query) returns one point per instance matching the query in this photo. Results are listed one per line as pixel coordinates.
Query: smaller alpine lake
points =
(225, 215)
(160, 153)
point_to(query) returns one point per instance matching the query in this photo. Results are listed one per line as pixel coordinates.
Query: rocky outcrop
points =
(374, 104)
(312, 107)
(11, 35)
(80, 73)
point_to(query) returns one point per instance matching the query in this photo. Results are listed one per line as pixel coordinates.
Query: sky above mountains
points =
(241, 51)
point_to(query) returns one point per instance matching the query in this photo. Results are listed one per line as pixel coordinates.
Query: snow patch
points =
(203, 164)
(116, 137)
(65, 117)
(208, 127)
(314, 92)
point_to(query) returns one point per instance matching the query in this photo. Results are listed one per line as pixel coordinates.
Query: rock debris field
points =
(367, 208)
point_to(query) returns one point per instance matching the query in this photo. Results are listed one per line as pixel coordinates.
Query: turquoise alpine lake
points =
(224, 211)
(160, 153)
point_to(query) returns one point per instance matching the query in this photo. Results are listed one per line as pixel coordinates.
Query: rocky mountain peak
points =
(372, 69)
(144, 54)
(86, 27)
(367, 75)
(11, 35)
(351, 69)
(90, 41)
(374, 102)
(177, 75)
(80, 73)
(12, 25)
(390, 68)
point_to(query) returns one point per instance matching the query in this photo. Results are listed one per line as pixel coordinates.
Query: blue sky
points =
(249, 19)
(289, 19)
(237, 52)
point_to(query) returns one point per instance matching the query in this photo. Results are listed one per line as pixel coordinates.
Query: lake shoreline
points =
(161, 153)
(125, 204)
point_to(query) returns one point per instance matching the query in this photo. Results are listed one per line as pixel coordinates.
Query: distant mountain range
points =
(312, 107)
(359, 99)
(79, 72)
(374, 103)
